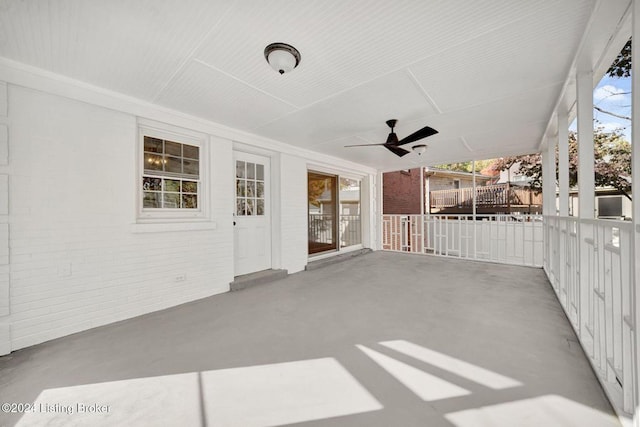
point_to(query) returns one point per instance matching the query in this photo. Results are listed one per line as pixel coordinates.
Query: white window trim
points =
(184, 136)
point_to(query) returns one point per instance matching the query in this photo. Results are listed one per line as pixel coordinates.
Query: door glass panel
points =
(240, 207)
(350, 224)
(250, 189)
(240, 188)
(322, 198)
(251, 170)
(239, 169)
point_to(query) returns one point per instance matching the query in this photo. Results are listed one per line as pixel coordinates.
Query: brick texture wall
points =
(401, 192)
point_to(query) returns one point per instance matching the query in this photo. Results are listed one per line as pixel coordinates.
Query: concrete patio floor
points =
(379, 340)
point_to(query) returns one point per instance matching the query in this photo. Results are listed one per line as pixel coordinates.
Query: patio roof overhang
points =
(487, 75)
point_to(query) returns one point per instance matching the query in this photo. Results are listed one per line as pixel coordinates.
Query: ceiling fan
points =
(392, 144)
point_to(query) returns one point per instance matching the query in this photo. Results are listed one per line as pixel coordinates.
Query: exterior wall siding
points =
(73, 255)
(294, 201)
(77, 261)
(5, 307)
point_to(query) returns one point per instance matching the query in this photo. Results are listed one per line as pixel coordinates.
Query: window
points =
(171, 173)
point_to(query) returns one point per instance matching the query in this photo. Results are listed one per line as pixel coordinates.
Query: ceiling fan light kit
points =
(282, 57)
(420, 149)
(392, 144)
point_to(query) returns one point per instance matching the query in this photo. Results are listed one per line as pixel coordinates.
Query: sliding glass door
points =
(334, 212)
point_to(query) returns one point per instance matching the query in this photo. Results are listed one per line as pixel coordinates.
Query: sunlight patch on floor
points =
(551, 410)
(426, 386)
(159, 401)
(456, 366)
(283, 393)
(254, 396)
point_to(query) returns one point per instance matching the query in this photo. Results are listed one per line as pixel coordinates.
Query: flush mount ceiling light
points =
(420, 149)
(282, 57)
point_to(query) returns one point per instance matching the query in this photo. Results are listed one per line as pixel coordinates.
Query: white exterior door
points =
(252, 219)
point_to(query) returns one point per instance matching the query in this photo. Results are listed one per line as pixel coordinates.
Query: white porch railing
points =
(510, 239)
(589, 264)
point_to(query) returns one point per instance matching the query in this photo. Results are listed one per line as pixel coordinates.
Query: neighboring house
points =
(402, 190)
(610, 203)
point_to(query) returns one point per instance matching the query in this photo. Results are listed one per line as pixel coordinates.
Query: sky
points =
(614, 95)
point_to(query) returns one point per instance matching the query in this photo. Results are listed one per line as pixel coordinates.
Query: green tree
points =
(612, 155)
(621, 66)
(466, 166)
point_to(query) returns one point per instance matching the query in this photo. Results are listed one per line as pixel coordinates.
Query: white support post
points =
(563, 162)
(586, 162)
(475, 211)
(548, 188)
(379, 207)
(586, 186)
(635, 169)
(549, 179)
(422, 201)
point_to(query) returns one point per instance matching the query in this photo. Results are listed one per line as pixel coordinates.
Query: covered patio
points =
(381, 339)
(153, 153)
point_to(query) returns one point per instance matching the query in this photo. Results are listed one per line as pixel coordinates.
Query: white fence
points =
(589, 264)
(511, 239)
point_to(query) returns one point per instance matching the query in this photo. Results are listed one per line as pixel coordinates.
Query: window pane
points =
(240, 188)
(239, 169)
(189, 201)
(250, 210)
(251, 189)
(152, 145)
(260, 189)
(153, 162)
(350, 224)
(171, 200)
(191, 151)
(151, 184)
(260, 172)
(173, 164)
(173, 148)
(189, 187)
(240, 207)
(251, 170)
(172, 185)
(191, 167)
(151, 200)
(260, 207)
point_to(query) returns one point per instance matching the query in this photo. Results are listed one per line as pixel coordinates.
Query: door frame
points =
(366, 210)
(274, 205)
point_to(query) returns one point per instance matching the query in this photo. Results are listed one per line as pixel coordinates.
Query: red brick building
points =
(401, 192)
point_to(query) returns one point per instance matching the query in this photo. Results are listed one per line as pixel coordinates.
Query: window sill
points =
(163, 227)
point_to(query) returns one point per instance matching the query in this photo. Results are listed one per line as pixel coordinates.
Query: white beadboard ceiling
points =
(485, 74)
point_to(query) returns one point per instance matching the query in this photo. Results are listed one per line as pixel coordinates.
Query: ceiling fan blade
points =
(362, 145)
(396, 150)
(422, 133)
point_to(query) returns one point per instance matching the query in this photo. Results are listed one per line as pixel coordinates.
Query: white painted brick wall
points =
(75, 262)
(293, 175)
(5, 308)
(77, 258)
